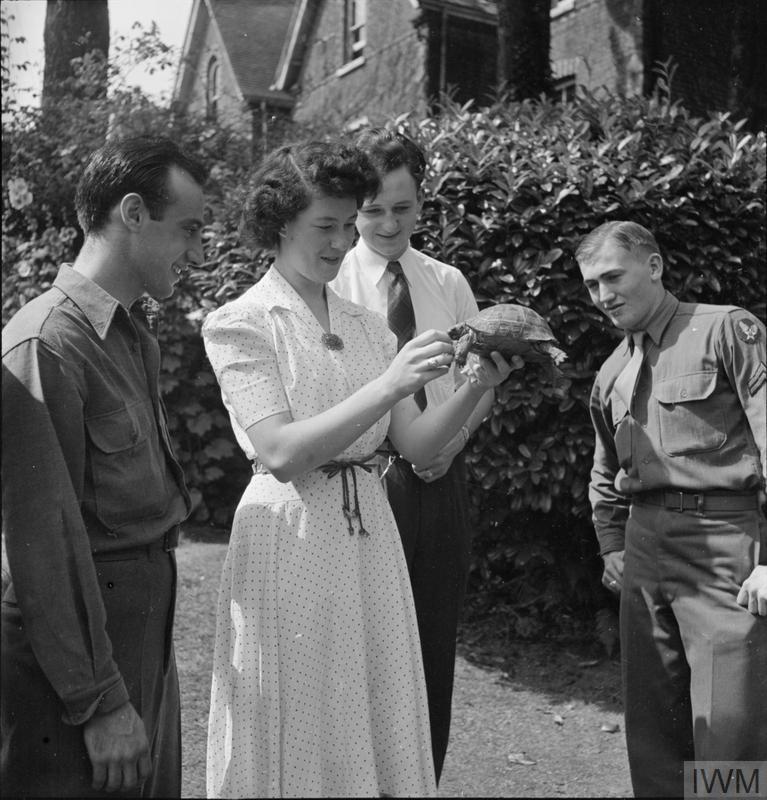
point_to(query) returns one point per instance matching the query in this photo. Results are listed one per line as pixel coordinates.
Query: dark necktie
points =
(400, 314)
(627, 481)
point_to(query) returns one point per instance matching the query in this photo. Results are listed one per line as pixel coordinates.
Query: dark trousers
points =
(44, 757)
(694, 661)
(434, 526)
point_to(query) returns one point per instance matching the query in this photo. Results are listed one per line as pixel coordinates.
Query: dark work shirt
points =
(87, 468)
(697, 417)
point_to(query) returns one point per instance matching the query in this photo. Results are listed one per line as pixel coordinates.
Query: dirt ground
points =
(529, 720)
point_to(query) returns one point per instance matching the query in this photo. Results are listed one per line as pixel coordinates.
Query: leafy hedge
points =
(510, 191)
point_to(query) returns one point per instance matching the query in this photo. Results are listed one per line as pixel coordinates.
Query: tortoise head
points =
(458, 330)
(462, 344)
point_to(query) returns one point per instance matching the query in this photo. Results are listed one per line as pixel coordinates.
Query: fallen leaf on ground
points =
(610, 727)
(559, 719)
(520, 758)
(588, 663)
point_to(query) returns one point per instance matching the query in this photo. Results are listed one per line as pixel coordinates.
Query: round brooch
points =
(332, 342)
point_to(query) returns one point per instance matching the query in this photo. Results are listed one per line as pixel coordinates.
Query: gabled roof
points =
(253, 33)
(292, 54)
(254, 40)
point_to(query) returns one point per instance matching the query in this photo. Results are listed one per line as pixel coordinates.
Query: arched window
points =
(212, 89)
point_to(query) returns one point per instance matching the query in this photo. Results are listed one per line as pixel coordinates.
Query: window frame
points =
(355, 35)
(559, 7)
(212, 88)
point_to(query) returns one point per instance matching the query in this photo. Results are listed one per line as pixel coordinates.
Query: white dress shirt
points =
(440, 294)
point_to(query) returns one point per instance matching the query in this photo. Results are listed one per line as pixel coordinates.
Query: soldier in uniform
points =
(677, 491)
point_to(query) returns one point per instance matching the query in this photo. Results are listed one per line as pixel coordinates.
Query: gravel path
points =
(534, 703)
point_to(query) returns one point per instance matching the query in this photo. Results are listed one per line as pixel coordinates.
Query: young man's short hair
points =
(628, 235)
(140, 164)
(389, 150)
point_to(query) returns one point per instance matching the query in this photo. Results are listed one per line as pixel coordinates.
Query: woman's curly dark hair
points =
(289, 178)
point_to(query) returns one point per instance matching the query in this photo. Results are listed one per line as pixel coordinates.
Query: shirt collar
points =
(275, 291)
(375, 264)
(661, 318)
(96, 304)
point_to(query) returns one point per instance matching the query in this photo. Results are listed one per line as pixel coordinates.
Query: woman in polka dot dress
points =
(318, 687)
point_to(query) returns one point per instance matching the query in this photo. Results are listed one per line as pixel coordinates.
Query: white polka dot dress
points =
(318, 687)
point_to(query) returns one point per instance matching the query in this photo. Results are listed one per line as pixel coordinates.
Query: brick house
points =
(354, 62)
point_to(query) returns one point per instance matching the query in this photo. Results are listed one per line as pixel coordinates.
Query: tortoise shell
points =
(511, 330)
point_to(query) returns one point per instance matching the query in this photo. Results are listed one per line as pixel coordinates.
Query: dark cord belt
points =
(331, 469)
(344, 468)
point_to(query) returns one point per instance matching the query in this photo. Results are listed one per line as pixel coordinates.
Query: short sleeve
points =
(241, 350)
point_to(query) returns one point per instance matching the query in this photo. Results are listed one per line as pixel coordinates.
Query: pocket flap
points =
(684, 388)
(120, 430)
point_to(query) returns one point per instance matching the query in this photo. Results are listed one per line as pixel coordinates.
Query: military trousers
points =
(44, 757)
(433, 522)
(694, 662)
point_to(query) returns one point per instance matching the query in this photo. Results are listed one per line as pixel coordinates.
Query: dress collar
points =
(275, 291)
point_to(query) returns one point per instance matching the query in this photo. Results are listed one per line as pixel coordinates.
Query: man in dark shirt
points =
(677, 491)
(93, 495)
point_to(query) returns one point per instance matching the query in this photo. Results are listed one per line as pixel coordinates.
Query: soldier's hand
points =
(753, 593)
(612, 577)
(118, 748)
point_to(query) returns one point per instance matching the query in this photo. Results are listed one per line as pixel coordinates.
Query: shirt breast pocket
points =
(689, 420)
(125, 465)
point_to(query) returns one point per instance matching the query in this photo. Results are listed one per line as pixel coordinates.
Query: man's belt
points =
(699, 501)
(168, 542)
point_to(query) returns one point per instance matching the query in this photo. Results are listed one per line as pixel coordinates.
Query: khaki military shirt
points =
(697, 417)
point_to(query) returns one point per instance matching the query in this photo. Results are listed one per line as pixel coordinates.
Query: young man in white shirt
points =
(430, 501)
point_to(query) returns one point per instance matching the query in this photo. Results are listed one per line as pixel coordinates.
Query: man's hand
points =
(440, 464)
(753, 593)
(477, 367)
(612, 577)
(118, 749)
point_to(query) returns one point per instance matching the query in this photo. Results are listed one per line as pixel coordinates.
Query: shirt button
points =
(646, 460)
(110, 585)
(683, 393)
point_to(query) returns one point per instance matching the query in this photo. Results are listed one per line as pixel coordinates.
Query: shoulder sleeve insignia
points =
(747, 330)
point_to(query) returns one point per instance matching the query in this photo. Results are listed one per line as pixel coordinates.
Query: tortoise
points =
(511, 330)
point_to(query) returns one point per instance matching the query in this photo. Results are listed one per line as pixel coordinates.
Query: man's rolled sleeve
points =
(610, 509)
(49, 556)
